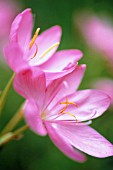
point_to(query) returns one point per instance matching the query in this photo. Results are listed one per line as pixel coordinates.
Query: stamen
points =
(71, 115)
(49, 49)
(63, 109)
(35, 51)
(67, 103)
(34, 38)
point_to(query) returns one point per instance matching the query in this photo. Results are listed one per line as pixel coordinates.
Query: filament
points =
(67, 103)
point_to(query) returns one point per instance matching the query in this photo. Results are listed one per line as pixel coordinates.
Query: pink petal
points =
(63, 144)
(73, 80)
(98, 33)
(51, 91)
(30, 83)
(44, 41)
(21, 29)
(90, 104)
(106, 85)
(14, 57)
(85, 139)
(33, 118)
(68, 84)
(8, 10)
(55, 75)
(61, 63)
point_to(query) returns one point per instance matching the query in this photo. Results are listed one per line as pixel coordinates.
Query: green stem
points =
(13, 122)
(5, 92)
(11, 135)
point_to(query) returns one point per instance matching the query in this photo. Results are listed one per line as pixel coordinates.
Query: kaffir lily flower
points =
(24, 51)
(98, 33)
(58, 110)
(105, 85)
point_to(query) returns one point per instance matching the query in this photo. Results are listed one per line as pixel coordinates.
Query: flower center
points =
(67, 103)
(32, 42)
(43, 115)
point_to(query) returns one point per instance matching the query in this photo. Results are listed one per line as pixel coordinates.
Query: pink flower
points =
(8, 10)
(98, 33)
(40, 50)
(58, 109)
(105, 85)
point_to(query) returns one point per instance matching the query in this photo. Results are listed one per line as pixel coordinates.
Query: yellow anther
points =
(73, 104)
(34, 38)
(49, 49)
(35, 51)
(67, 103)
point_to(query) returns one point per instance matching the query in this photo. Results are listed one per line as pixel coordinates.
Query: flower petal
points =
(14, 57)
(85, 139)
(62, 60)
(63, 144)
(21, 29)
(89, 104)
(98, 33)
(45, 41)
(73, 80)
(55, 75)
(106, 85)
(68, 84)
(61, 63)
(30, 83)
(33, 118)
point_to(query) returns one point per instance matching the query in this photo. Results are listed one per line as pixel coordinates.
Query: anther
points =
(68, 102)
(49, 49)
(34, 38)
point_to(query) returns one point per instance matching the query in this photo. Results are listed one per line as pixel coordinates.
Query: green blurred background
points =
(33, 152)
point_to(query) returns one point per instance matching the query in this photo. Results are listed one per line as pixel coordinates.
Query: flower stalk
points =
(13, 122)
(5, 93)
(12, 135)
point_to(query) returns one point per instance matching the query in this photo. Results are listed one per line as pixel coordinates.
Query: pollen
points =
(34, 38)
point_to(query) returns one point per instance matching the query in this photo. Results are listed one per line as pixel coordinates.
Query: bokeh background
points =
(33, 152)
